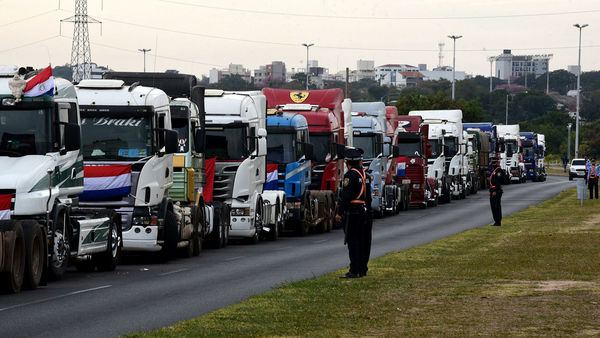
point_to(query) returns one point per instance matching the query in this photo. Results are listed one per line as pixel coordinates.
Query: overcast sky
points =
(194, 36)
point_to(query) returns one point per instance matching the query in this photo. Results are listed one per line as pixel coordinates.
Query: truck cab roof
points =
(287, 120)
(116, 93)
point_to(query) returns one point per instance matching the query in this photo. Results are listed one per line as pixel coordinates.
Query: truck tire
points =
(35, 254)
(198, 223)
(258, 223)
(11, 281)
(273, 235)
(60, 249)
(169, 249)
(107, 261)
(302, 225)
(225, 226)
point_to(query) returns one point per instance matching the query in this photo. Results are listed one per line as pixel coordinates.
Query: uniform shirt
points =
(589, 170)
(352, 185)
(496, 179)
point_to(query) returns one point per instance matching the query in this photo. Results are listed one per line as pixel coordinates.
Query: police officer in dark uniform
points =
(496, 179)
(354, 208)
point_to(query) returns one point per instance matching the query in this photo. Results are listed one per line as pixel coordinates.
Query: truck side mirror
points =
(198, 97)
(340, 149)
(171, 141)
(72, 136)
(262, 147)
(395, 151)
(309, 151)
(199, 141)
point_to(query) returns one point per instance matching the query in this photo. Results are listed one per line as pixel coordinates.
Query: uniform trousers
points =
(593, 185)
(359, 241)
(496, 207)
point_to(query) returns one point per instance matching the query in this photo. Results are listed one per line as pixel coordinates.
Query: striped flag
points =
(5, 200)
(401, 166)
(271, 182)
(41, 84)
(103, 182)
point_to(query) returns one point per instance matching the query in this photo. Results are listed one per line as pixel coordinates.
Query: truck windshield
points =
(367, 144)
(321, 147)
(512, 147)
(181, 126)
(450, 145)
(436, 148)
(410, 148)
(25, 132)
(528, 151)
(111, 138)
(281, 148)
(226, 143)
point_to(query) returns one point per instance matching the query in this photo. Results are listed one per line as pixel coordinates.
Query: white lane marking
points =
(233, 258)
(172, 272)
(320, 241)
(55, 297)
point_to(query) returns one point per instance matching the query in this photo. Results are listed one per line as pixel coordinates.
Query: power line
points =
(219, 37)
(152, 54)
(253, 11)
(28, 44)
(28, 18)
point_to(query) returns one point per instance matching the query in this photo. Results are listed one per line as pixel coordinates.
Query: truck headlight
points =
(144, 220)
(240, 211)
(8, 101)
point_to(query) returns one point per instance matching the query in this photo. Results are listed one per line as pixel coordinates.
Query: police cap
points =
(353, 154)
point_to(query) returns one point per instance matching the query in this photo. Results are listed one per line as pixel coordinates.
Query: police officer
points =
(496, 179)
(355, 207)
(593, 171)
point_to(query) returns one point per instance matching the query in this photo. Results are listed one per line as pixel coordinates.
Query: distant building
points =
(444, 72)
(399, 75)
(509, 65)
(215, 75)
(275, 71)
(365, 69)
(97, 71)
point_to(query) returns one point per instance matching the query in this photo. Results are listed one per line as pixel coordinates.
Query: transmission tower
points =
(81, 55)
(441, 55)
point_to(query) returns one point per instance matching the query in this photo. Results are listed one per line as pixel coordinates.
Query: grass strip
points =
(537, 275)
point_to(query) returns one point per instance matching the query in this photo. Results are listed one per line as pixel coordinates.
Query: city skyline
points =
(178, 32)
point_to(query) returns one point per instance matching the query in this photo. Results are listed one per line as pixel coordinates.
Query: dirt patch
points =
(560, 285)
(591, 224)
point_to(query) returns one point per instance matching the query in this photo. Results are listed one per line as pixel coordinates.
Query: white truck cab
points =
(510, 155)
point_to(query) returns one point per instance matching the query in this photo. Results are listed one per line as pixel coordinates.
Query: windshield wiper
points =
(11, 153)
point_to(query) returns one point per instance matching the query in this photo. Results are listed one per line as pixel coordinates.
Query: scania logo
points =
(299, 97)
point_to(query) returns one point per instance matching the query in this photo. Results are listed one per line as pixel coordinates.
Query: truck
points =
(236, 138)
(189, 191)
(325, 116)
(448, 123)
(478, 149)
(490, 130)
(290, 154)
(533, 155)
(128, 147)
(511, 159)
(42, 225)
(415, 150)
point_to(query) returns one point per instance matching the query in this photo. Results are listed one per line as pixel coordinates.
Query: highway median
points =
(537, 274)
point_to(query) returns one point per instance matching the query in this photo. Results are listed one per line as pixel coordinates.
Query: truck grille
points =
(224, 178)
(177, 191)
(281, 176)
(415, 173)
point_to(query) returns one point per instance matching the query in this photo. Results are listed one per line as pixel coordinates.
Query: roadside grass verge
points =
(537, 275)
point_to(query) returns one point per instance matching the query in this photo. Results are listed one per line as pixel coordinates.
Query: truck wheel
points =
(258, 224)
(107, 261)
(169, 248)
(60, 246)
(11, 281)
(35, 254)
(198, 220)
(225, 225)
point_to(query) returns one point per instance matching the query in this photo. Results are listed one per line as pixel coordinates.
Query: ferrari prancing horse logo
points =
(299, 97)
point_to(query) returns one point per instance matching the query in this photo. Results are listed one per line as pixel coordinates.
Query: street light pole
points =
(454, 37)
(580, 27)
(144, 50)
(491, 59)
(307, 70)
(569, 142)
(506, 110)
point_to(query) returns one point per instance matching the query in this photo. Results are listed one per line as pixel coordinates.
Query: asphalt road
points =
(143, 296)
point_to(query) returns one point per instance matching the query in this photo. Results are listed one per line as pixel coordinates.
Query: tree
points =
(590, 140)
(554, 126)
(233, 82)
(66, 72)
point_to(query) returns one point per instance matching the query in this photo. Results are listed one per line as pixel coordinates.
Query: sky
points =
(194, 36)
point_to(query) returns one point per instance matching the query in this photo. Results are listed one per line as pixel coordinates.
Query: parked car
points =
(577, 168)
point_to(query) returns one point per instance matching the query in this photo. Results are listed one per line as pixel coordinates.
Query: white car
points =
(577, 168)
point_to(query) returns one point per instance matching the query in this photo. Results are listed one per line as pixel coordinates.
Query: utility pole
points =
(347, 81)
(506, 109)
(580, 27)
(307, 69)
(569, 141)
(144, 50)
(81, 54)
(491, 60)
(454, 37)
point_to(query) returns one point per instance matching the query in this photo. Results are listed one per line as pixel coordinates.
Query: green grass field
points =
(537, 275)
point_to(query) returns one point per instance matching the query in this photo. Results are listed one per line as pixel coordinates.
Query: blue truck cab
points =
(532, 153)
(368, 136)
(289, 153)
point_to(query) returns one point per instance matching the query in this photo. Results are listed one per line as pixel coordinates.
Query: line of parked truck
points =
(154, 164)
